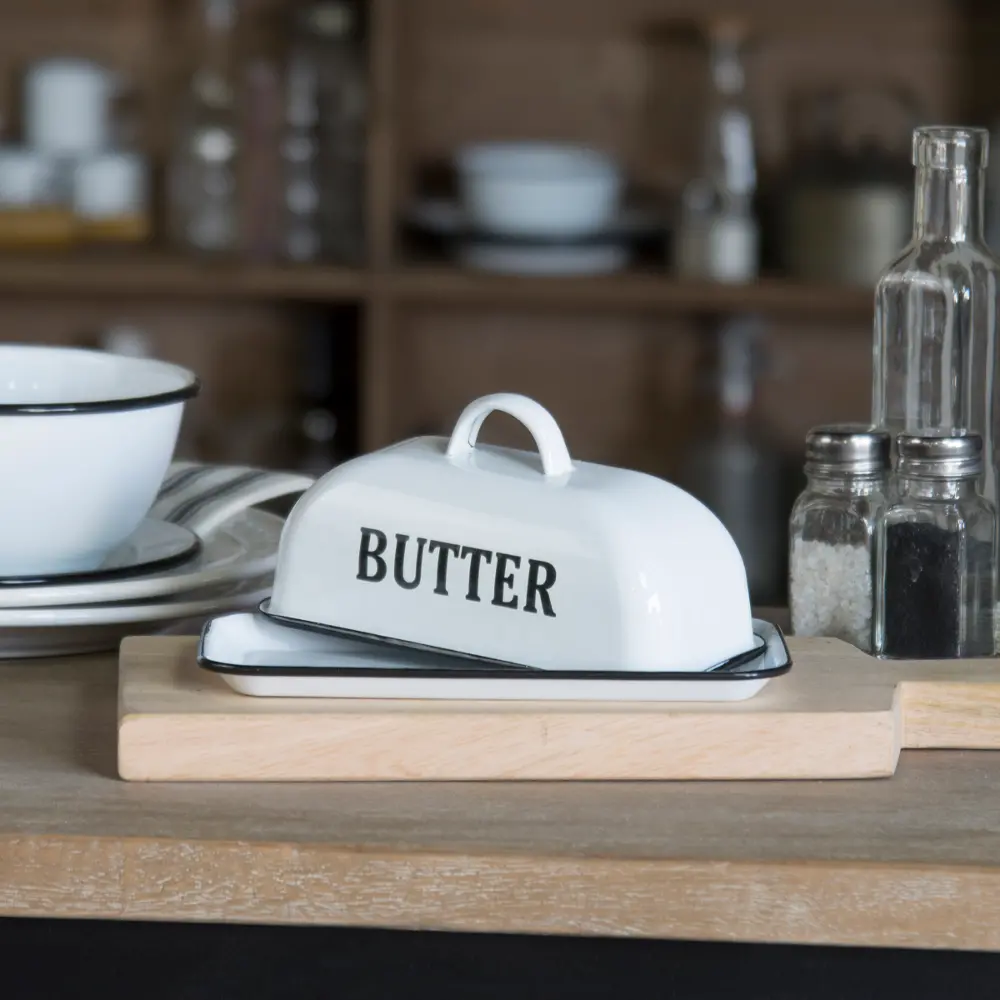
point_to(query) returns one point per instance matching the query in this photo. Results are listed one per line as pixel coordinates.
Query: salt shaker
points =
(832, 531)
(936, 553)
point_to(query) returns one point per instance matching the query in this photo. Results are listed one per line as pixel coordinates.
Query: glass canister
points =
(936, 304)
(205, 169)
(323, 149)
(936, 553)
(832, 532)
(718, 237)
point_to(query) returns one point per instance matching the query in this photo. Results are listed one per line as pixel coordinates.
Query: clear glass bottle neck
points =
(949, 204)
(936, 489)
(841, 483)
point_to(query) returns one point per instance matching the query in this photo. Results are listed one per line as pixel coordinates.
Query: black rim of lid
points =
(736, 668)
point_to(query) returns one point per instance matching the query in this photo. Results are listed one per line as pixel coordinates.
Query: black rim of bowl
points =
(191, 389)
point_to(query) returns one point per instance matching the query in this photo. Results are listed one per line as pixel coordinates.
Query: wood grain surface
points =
(911, 861)
(838, 714)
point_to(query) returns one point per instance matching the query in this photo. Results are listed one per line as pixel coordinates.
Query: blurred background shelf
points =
(137, 274)
(307, 364)
(644, 290)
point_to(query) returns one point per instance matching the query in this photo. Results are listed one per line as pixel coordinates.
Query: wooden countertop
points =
(911, 861)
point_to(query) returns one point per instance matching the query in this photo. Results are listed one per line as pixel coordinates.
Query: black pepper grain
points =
(929, 613)
(923, 591)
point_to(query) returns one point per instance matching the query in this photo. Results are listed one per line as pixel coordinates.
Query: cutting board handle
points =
(542, 425)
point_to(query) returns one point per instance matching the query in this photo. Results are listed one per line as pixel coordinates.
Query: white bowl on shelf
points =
(537, 189)
(85, 440)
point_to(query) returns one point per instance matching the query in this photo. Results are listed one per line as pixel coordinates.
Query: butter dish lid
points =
(514, 557)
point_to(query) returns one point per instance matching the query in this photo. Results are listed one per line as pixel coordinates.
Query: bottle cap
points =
(847, 448)
(939, 456)
(943, 147)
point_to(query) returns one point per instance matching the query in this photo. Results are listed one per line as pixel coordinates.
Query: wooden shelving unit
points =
(612, 356)
(155, 275)
(139, 275)
(641, 290)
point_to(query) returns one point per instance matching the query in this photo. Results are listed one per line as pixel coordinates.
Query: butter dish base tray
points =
(259, 657)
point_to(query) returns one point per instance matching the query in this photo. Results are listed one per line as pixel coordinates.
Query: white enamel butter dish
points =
(513, 558)
(256, 656)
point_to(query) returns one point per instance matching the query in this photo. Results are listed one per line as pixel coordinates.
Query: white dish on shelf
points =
(446, 218)
(535, 189)
(244, 546)
(258, 657)
(551, 261)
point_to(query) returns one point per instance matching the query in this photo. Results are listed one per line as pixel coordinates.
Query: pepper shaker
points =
(832, 531)
(936, 553)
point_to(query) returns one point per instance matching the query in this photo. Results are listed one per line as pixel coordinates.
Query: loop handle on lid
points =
(534, 416)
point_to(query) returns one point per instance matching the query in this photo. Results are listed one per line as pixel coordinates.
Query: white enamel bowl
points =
(533, 190)
(85, 440)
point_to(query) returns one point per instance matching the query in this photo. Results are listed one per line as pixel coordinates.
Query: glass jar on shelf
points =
(936, 306)
(110, 198)
(717, 237)
(325, 128)
(832, 533)
(33, 215)
(204, 209)
(936, 553)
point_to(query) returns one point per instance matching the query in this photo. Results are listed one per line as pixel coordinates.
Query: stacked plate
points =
(446, 222)
(203, 549)
(536, 208)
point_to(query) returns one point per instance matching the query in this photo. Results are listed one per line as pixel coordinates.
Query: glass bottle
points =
(936, 553)
(204, 181)
(832, 533)
(718, 235)
(323, 149)
(935, 305)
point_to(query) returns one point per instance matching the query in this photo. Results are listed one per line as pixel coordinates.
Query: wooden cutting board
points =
(837, 714)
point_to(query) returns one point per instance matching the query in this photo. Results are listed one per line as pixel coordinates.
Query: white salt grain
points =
(831, 591)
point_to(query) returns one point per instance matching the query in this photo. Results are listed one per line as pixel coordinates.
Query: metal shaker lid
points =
(939, 456)
(847, 448)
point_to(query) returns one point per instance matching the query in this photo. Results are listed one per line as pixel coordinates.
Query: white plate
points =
(257, 657)
(446, 217)
(88, 630)
(151, 547)
(503, 258)
(244, 546)
(199, 603)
